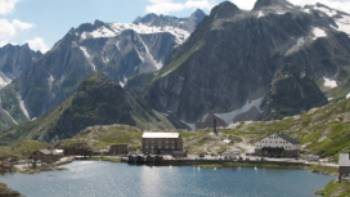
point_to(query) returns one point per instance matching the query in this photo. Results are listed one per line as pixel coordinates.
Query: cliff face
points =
(263, 64)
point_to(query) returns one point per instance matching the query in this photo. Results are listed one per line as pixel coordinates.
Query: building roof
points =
(160, 135)
(51, 152)
(283, 136)
(344, 160)
(277, 141)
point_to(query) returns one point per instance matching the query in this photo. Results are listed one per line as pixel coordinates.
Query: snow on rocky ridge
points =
(115, 29)
(230, 116)
(318, 33)
(329, 83)
(341, 19)
(4, 80)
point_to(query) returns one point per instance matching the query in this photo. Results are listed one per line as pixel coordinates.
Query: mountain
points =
(97, 101)
(273, 61)
(120, 51)
(189, 24)
(14, 61)
(323, 131)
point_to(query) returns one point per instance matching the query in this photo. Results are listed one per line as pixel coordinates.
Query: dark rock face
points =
(16, 59)
(120, 52)
(100, 101)
(188, 23)
(291, 93)
(7, 192)
(208, 122)
(231, 65)
(224, 10)
(267, 3)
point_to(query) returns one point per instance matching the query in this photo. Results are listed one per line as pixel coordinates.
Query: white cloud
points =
(9, 29)
(172, 6)
(7, 6)
(244, 4)
(38, 44)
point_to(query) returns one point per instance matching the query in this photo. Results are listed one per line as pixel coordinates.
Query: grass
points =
(336, 189)
(179, 61)
(323, 170)
(103, 137)
(22, 149)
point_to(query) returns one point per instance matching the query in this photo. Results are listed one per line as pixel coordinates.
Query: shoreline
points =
(320, 168)
(209, 164)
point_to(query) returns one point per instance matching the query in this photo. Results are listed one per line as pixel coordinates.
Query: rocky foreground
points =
(7, 192)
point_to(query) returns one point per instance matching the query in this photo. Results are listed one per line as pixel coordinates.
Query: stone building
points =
(277, 145)
(162, 143)
(344, 166)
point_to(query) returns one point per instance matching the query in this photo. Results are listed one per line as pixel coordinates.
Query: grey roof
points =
(283, 136)
(288, 138)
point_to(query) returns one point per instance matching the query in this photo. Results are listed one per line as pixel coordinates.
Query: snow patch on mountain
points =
(330, 12)
(88, 57)
(348, 96)
(85, 52)
(329, 83)
(23, 106)
(4, 80)
(296, 47)
(9, 116)
(260, 14)
(115, 29)
(318, 33)
(343, 24)
(230, 116)
(123, 82)
(341, 19)
(50, 80)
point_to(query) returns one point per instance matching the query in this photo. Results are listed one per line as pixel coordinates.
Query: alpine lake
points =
(105, 179)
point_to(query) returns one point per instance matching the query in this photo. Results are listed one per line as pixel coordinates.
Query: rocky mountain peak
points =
(260, 4)
(198, 15)
(224, 10)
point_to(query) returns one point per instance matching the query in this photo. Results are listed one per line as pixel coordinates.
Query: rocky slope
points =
(14, 61)
(274, 61)
(98, 101)
(7, 192)
(120, 51)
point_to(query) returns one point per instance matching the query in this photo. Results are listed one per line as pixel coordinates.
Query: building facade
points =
(162, 143)
(278, 146)
(344, 166)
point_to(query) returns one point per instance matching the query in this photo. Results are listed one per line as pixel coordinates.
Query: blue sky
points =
(44, 22)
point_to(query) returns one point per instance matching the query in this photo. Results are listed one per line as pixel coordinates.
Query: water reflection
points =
(101, 179)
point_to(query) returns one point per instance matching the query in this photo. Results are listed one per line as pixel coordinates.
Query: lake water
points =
(103, 179)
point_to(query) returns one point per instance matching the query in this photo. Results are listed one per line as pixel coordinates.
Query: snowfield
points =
(115, 29)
